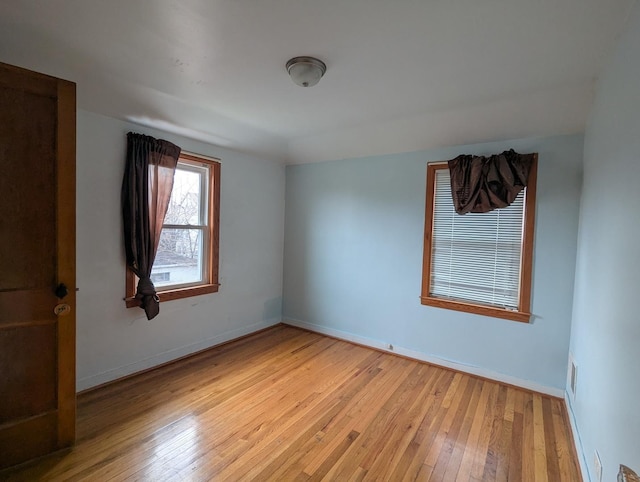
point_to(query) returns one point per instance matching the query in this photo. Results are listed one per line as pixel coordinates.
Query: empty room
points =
(297, 240)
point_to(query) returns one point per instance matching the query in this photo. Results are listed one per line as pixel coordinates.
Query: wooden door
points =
(37, 253)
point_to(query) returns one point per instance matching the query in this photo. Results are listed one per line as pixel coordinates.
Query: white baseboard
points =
(434, 360)
(167, 356)
(582, 460)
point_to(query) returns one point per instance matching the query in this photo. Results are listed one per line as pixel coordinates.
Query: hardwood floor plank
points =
(287, 404)
(565, 450)
(335, 454)
(433, 432)
(540, 459)
(469, 453)
(396, 408)
(493, 449)
(551, 455)
(391, 456)
(528, 441)
(515, 452)
(477, 468)
(276, 439)
(455, 461)
(373, 431)
(503, 452)
(412, 452)
(446, 452)
(250, 457)
(359, 412)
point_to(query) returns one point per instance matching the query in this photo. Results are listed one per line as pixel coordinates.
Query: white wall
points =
(353, 262)
(605, 337)
(113, 341)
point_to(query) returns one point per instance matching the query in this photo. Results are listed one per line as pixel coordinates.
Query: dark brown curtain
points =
(482, 184)
(146, 190)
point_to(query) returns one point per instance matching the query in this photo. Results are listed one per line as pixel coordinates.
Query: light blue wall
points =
(353, 259)
(605, 338)
(113, 341)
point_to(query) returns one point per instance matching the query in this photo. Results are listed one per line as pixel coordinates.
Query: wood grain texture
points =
(37, 252)
(66, 259)
(286, 404)
(526, 266)
(627, 475)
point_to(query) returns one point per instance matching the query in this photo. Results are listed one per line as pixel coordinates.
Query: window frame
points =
(523, 313)
(211, 251)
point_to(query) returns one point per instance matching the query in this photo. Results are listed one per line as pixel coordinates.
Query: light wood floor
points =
(286, 404)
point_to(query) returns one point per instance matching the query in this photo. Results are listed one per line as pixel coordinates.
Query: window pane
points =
(184, 205)
(179, 258)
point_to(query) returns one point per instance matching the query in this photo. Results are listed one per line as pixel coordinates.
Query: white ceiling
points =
(401, 75)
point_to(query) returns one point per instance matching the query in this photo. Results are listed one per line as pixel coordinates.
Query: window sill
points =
(476, 309)
(177, 294)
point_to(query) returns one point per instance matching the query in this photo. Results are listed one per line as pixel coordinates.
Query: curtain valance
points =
(481, 184)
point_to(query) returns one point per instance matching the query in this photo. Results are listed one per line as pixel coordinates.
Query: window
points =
(186, 263)
(478, 263)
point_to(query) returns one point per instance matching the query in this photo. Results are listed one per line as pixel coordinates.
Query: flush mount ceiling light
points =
(306, 71)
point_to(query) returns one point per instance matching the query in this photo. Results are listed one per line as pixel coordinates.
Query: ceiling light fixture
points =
(306, 71)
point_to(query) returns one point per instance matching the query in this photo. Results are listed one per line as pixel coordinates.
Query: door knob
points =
(61, 291)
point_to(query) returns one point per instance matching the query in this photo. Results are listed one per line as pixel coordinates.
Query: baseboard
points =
(87, 383)
(577, 441)
(434, 360)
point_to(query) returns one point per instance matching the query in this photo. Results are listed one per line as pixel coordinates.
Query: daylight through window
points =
(181, 256)
(186, 262)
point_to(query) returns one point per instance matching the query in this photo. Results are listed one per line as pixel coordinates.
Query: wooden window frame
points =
(523, 313)
(210, 285)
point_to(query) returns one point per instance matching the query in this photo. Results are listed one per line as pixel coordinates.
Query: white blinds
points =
(475, 257)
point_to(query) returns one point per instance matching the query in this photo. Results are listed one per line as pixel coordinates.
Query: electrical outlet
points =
(597, 465)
